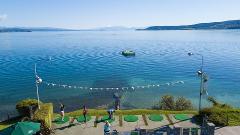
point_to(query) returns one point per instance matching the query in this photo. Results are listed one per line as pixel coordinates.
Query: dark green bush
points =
(23, 106)
(216, 115)
(221, 114)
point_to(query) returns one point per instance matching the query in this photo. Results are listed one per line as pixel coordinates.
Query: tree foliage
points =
(23, 106)
(168, 102)
(215, 103)
(183, 104)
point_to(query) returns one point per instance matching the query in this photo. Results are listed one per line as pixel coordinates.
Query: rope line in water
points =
(112, 88)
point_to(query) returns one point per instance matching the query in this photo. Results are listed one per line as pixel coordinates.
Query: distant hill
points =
(2, 29)
(31, 29)
(232, 24)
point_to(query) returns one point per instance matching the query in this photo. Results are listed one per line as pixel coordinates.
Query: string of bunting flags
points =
(113, 88)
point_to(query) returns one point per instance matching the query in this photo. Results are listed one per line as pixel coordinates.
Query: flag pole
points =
(36, 81)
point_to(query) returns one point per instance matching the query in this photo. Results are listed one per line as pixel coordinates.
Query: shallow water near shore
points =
(93, 59)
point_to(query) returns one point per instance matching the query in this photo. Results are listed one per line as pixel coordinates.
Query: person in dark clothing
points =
(117, 99)
(85, 113)
(110, 113)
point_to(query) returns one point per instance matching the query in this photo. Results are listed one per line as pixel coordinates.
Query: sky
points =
(85, 14)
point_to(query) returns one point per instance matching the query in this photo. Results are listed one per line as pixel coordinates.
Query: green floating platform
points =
(128, 53)
(130, 118)
(81, 118)
(181, 117)
(155, 117)
(59, 120)
(106, 118)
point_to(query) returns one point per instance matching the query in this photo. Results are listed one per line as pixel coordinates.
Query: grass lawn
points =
(97, 112)
(8, 123)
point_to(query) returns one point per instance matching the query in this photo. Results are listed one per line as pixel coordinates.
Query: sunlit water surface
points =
(93, 59)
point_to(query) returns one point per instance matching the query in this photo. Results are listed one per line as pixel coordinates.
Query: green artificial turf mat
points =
(130, 118)
(155, 117)
(181, 117)
(81, 118)
(59, 120)
(134, 133)
(106, 118)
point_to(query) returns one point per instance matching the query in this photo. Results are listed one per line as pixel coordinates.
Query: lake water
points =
(93, 59)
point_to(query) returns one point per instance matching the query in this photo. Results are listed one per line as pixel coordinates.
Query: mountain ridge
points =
(230, 24)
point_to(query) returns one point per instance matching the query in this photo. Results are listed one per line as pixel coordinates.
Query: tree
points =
(23, 107)
(167, 102)
(183, 104)
(215, 103)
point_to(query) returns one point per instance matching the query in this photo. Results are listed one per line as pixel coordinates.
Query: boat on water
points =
(128, 53)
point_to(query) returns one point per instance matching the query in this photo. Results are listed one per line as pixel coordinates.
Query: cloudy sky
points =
(83, 14)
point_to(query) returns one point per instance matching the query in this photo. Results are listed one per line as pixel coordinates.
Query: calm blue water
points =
(92, 59)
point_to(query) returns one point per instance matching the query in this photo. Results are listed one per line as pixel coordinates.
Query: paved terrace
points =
(90, 128)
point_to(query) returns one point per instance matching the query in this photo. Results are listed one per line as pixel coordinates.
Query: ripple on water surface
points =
(93, 59)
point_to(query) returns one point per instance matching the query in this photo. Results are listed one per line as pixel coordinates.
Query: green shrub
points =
(45, 114)
(215, 115)
(23, 106)
(167, 102)
(221, 114)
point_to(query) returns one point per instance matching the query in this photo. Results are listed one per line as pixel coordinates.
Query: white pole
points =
(37, 85)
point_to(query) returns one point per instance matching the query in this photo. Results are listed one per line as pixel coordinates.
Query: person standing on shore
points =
(110, 113)
(85, 113)
(62, 111)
